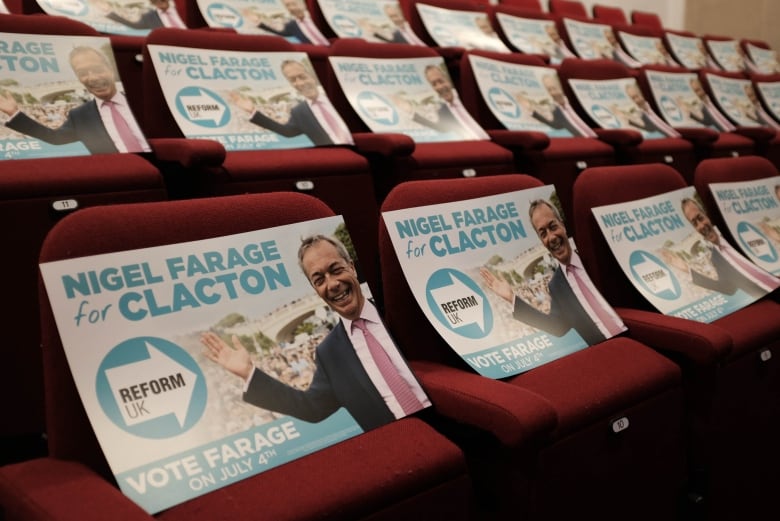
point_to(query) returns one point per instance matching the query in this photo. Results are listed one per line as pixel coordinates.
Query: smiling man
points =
(574, 301)
(357, 365)
(104, 124)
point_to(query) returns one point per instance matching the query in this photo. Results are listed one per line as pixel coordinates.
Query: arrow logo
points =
(152, 388)
(203, 107)
(460, 304)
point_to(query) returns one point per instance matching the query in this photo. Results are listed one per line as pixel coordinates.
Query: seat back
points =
(609, 15)
(647, 18)
(406, 321)
(728, 170)
(115, 228)
(596, 187)
(35, 194)
(569, 8)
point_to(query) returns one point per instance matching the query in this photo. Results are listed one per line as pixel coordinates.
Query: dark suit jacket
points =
(290, 29)
(397, 37)
(339, 381)
(447, 122)
(729, 278)
(566, 312)
(706, 119)
(82, 124)
(559, 121)
(149, 20)
(302, 121)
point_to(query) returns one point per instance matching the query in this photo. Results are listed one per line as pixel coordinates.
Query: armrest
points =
(698, 135)
(619, 137)
(524, 140)
(760, 134)
(703, 344)
(188, 152)
(387, 145)
(49, 489)
(513, 414)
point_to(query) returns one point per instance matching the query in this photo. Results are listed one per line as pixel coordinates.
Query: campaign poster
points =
(765, 60)
(597, 41)
(770, 93)
(676, 258)
(289, 19)
(488, 284)
(45, 108)
(374, 21)
(737, 100)
(682, 101)
(415, 97)
(751, 211)
(247, 100)
(517, 95)
(3, 8)
(728, 54)
(647, 50)
(454, 28)
(690, 51)
(127, 17)
(534, 36)
(193, 360)
(613, 104)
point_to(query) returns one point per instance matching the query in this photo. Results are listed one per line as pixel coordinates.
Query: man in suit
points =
(315, 116)
(161, 14)
(574, 302)
(300, 25)
(347, 373)
(647, 120)
(451, 115)
(733, 270)
(104, 124)
(563, 115)
(703, 111)
(402, 32)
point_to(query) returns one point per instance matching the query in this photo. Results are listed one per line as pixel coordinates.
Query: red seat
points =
(647, 18)
(396, 157)
(320, 171)
(554, 160)
(728, 170)
(674, 151)
(403, 469)
(733, 398)
(609, 15)
(600, 473)
(569, 9)
(36, 193)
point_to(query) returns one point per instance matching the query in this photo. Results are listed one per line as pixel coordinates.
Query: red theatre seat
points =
(323, 172)
(579, 468)
(396, 157)
(675, 151)
(730, 373)
(561, 160)
(36, 193)
(403, 470)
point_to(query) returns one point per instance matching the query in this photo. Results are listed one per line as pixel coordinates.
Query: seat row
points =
(655, 423)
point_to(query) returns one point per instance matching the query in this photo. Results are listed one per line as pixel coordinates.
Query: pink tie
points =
(765, 278)
(171, 20)
(595, 305)
(334, 125)
(575, 120)
(399, 387)
(128, 138)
